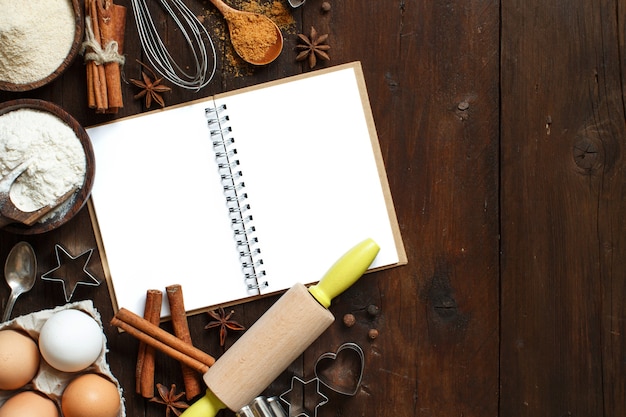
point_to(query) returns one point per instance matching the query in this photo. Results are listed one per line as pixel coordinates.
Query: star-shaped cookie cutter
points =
(71, 271)
(299, 397)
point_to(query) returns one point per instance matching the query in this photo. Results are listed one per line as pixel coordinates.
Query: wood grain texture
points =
(268, 348)
(501, 124)
(563, 240)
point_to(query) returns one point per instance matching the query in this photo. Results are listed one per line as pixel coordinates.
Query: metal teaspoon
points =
(20, 271)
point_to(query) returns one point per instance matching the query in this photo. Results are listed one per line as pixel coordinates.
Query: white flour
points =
(35, 38)
(58, 159)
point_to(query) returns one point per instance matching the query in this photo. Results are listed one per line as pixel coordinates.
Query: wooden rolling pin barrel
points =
(278, 337)
(267, 348)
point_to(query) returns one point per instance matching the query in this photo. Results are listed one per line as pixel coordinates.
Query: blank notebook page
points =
(310, 172)
(308, 152)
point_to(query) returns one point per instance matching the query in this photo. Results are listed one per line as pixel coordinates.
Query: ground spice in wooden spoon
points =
(276, 10)
(254, 37)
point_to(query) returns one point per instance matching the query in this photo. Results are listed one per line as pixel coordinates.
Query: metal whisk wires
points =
(195, 35)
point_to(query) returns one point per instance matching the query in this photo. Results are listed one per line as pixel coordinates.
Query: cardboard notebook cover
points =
(241, 194)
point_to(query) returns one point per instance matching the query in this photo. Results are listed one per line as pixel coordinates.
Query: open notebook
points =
(243, 193)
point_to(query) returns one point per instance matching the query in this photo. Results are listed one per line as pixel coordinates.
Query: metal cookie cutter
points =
(71, 271)
(262, 407)
(296, 3)
(342, 371)
(304, 398)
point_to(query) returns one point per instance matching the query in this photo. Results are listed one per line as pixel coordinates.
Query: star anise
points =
(151, 90)
(313, 47)
(170, 399)
(223, 321)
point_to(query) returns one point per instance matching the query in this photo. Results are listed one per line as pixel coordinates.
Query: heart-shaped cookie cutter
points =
(341, 371)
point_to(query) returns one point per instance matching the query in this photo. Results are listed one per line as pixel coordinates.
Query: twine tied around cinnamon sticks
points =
(99, 55)
(105, 24)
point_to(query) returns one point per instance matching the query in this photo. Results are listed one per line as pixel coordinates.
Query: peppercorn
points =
(349, 320)
(372, 334)
(325, 6)
(373, 310)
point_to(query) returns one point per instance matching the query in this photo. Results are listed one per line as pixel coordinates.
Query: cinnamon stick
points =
(158, 337)
(181, 329)
(163, 347)
(91, 94)
(112, 24)
(144, 372)
(98, 82)
(90, 65)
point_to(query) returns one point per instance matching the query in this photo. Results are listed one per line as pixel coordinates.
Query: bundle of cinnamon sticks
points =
(179, 346)
(105, 24)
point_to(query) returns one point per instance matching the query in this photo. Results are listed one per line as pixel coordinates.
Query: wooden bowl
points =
(75, 48)
(79, 198)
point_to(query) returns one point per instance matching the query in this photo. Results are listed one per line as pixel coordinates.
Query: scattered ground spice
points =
(252, 35)
(277, 10)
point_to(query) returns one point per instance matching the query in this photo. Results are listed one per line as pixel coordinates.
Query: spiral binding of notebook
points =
(239, 209)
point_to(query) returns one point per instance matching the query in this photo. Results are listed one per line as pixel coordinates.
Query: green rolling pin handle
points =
(345, 272)
(207, 406)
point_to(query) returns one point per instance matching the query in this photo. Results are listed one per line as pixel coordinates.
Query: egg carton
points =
(48, 380)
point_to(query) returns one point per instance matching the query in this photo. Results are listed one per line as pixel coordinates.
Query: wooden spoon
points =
(242, 24)
(9, 213)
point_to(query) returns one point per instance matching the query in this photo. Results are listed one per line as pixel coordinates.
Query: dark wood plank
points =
(432, 72)
(563, 206)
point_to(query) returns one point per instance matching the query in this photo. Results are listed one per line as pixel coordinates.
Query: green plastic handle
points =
(207, 406)
(345, 272)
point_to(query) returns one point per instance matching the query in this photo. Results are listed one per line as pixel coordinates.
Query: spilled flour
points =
(58, 159)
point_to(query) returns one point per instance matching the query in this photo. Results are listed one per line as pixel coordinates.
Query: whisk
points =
(195, 35)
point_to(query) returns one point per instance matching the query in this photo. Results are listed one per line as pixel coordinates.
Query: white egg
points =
(71, 340)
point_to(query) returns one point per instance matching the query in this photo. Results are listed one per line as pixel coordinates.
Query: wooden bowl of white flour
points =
(61, 158)
(39, 40)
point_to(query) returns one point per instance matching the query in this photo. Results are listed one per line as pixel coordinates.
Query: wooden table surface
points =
(502, 129)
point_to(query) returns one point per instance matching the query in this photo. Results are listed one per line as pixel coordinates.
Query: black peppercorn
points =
(373, 310)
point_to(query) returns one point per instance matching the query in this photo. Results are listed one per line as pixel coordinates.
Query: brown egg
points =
(90, 395)
(29, 404)
(19, 359)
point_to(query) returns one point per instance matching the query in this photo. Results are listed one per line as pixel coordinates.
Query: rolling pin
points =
(278, 337)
